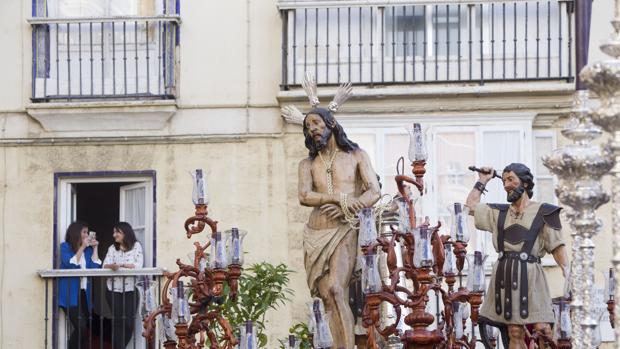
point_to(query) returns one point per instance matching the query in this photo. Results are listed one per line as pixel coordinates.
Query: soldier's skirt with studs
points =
(539, 299)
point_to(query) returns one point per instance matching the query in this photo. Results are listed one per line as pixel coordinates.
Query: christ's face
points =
(318, 130)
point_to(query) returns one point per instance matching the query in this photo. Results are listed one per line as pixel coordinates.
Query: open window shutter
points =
(136, 209)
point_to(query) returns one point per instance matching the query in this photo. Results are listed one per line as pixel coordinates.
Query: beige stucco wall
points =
(249, 186)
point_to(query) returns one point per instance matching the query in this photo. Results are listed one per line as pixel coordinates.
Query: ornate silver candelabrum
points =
(579, 167)
(603, 79)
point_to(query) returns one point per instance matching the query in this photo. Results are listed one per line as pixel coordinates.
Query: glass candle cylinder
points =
(219, 258)
(449, 265)
(423, 252)
(460, 228)
(610, 285)
(180, 305)
(492, 332)
(199, 193)
(561, 312)
(475, 278)
(371, 280)
(292, 342)
(404, 225)
(417, 146)
(166, 328)
(319, 325)
(235, 244)
(368, 227)
(457, 308)
(248, 336)
(146, 288)
(465, 311)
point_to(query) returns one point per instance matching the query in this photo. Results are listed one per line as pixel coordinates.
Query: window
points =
(405, 29)
(442, 41)
(103, 48)
(102, 201)
(425, 30)
(544, 144)
(453, 146)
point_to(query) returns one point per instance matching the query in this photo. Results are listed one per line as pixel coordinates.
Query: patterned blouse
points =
(133, 256)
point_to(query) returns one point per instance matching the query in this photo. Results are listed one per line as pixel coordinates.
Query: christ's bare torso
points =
(345, 178)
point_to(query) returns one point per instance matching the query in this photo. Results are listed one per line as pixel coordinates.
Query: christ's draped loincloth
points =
(319, 245)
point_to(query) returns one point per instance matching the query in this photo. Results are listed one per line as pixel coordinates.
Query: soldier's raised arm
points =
(473, 198)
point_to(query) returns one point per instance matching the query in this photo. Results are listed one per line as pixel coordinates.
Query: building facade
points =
(107, 105)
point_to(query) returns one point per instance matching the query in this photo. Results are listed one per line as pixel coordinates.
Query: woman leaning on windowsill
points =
(125, 253)
(79, 251)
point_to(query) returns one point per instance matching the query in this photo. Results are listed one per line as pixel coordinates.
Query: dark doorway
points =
(98, 205)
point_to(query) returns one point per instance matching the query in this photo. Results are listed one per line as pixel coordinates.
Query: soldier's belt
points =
(522, 256)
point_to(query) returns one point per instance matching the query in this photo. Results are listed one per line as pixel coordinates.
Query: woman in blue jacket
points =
(79, 251)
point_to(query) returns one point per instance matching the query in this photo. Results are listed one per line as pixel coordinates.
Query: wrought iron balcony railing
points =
(130, 57)
(110, 318)
(427, 42)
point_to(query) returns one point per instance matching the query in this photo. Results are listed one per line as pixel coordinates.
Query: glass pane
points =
(78, 8)
(367, 143)
(404, 30)
(388, 185)
(98, 8)
(543, 146)
(545, 189)
(446, 24)
(396, 145)
(134, 207)
(499, 148)
(140, 235)
(455, 152)
(123, 7)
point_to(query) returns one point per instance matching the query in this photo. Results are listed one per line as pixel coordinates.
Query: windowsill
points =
(446, 98)
(103, 115)
(55, 273)
(420, 90)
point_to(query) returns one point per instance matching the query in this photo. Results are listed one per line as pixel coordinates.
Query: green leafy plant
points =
(303, 335)
(262, 286)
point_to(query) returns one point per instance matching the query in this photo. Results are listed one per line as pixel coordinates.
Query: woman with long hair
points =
(125, 253)
(79, 251)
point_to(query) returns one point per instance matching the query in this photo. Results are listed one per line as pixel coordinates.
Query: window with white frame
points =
(424, 29)
(127, 198)
(440, 41)
(90, 49)
(544, 190)
(453, 146)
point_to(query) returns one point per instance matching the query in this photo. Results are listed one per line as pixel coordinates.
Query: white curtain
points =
(135, 211)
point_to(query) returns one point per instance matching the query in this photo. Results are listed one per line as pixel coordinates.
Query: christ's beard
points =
(322, 142)
(516, 194)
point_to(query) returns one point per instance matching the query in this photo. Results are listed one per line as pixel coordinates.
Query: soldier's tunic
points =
(517, 298)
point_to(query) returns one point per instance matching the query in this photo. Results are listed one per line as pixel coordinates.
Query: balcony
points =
(98, 322)
(426, 41)
(104, 58)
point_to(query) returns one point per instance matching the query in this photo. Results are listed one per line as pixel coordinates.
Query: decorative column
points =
(579, 167)
(603, 78)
